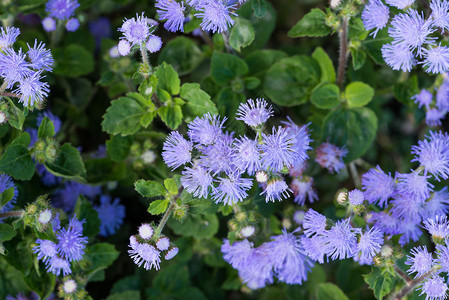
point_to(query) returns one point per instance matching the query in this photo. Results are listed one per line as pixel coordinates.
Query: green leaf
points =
(198, 102)
(225, 67)
(7, 232)
(6, 196)
(171, 115)
(148, 188)
(73, 61)
(17, 161)
(290, 81)
(168, 79)
(261, 60)
(158, 207)
(124, 295)
(198, 226)
(358, 94)
(15, 116)
(182, 53)
(68, 163)
(358, 57)
(404, 91)
(104, 169)
(326, 65)
(118, 147)
(353, 128)
(171, 185)
(329, 291)
(242, 34)
(326, 96)
(42, 284)
(381, 284)
(46, 129)
(312, 24)
(85, 211)
(100, 256)
(123, 117)
(259, 7)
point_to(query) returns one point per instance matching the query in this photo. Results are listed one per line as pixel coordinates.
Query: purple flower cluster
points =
(22, 72)
(283, 257)
(330, 157)
(215, 14)
(62, 10)
(339, 241)
(413, 42)
(138, 32)
(215, 162)
(111, 214)
(435, 110)
(69, 246)
(147, 250)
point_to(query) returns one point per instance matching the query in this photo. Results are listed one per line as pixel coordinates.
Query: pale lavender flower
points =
(385, 222)
(424, 98)
(72, 25)
(356, 197)
(135, 30)
(32, 89)
(398, 57)
(401, 4)
(247, 156)
(145, 254)
(231, 189)
(71, 243)
(205, 130)
(154, 43)
(341, 240)
(314, 247)
(438, 204)
(443, 257)
(298, 216)
(58, 265)
(173, 13)
(45, 250)
(438, 226)
(41, 58)
(13, 66)
(277, 149)
(171, 253)
(378, 186)
(8, 36)
(440, 14)
(258, 271)
(369, 245)
(238, 253)
(434, 117)
(124, 47)
(314, 223)
(435, 288)
(436, 59)
(410, 230)
(433, 154)
(443, 96)
(375, 16)
(111, 215)
(163, 243)
(301, 143)
(330, 157)
(406, 207)
(254, 113)
(276, 190)
(49, 24)
(216, 15)
(145, 231)
(61, 9)
(414, 185)
(420, 261)
(177, 151)
(197, 181)
(219, 157)
(303, 190)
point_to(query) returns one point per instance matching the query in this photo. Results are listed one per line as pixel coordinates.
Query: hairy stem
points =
(10, 95)
(144, 52)
(343, 59)
(403, 275)
(413, 283)
(355, 175)
(164, 220)
(3, 88)
(226, 42)
(9, 214)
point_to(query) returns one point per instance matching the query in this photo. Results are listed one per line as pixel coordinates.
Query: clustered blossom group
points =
(414, 36)
(435, 110)
(62, 11)
(146, 247)
(215, 14)
(69, 246)
(22, 72)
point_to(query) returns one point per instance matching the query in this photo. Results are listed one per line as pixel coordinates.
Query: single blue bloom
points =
(45, 250)
(49, 24)
(435, 288)
(378, 186)
(13, 66)
(314, 247)
(231, 189)
(276, 189)
(410, 230)
(369, 245)
(303, 190)
(438, 204)
(219, 157)
(177, 151)
(258, 271)
(58, 265)
(420, 261)
(434, 117)
(356, 197)
(8, 36)
(330, 157)
(438, 226)
(111, 214)
(216, 15)
(375, 16)
(424, 98)
(406, 208)
(173, 13)
(72, 25)
(254, 113)
(443, 257)
(341, 240)
(136, 30)
(440, 14)
(398, 57)
(71, 243)
(197, 181)
(145, 254)
(61, 9)
(238, 253)
(247, 156)
(205, 130)
(436, 59)
(154, 44)
(314, 223)
(32, 89)
(278, 149)
(414, 185)
(40, 57)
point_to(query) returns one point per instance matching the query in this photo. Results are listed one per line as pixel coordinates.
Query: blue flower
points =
(423, 98)
(197, 181)
(45, 250)
(145, 254)
(341, 240)
(411, 30)
(330, 157)
(435, 288)
(369, 245)
(111, 214)
(406, 208)
(219, 157)
(163, 243)
(71, 243)
(301, 143)
(434, 117)
(8, 36)
(410, 230)
(72, 25)
(135, 30)
(314, 247)
(32, 89)
(433, 154)
(231, 189)
(173, 13)
(438, 227)
(414, 185)
(443, 257)
(291, 265)
(215, 14)
(238, 253)
(254, 113)
(401, 4)
(420, 261)
(436, 59)
(438, 204)
(6, 183)
(154, 43)
(177, 151)
(61, 9)
(247, 156)
(276, 190)
(49, 24)
(13, 66)
(40, 57)
(440, 14)
(385, 222)
(258, 271)
(378, 186)
(356, 197)
(375, 16)
(398, 57)
(124, 47)
(303, 190)
(443, 96)
(205, 130)
(314, 223)
(56, 265)
(278, 149)
(171, 253)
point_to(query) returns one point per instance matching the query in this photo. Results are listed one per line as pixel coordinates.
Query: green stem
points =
(403, 275)
(164, 220)
(413, 283)
(9, 214)
(355, 175)
(343, 59)
(143, 51)
(3, 88)
(226, 42)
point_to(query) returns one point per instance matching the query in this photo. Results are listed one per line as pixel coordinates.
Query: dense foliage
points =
(215, 149)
